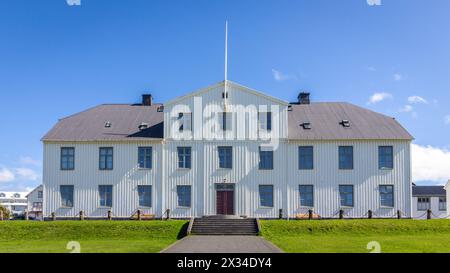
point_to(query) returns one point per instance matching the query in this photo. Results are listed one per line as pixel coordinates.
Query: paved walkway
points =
(222, 244)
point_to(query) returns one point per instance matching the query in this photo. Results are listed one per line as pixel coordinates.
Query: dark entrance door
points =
(225, 202)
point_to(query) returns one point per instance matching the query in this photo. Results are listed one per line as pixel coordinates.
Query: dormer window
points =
(16, 195)
(185, 122)
(265, 121)
(2, 195)
(226, 121)
(108, 124)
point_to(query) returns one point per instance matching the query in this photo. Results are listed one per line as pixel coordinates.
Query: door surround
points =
(225, 198)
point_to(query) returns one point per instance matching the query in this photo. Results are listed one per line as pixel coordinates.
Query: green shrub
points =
(5, 211)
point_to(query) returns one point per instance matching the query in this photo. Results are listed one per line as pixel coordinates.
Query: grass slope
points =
(94, 236)
(352, 236)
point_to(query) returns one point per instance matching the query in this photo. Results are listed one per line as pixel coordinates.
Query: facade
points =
(15, 202)
(429, 198)
(227, 149)
(35, 201)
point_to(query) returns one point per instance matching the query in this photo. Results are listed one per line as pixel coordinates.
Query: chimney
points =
(147, 99)
(303, 98)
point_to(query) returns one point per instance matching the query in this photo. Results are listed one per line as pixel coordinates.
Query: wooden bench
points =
(306, 216)
(143, 216)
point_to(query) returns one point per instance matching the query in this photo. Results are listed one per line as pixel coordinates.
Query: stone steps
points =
(218, 226)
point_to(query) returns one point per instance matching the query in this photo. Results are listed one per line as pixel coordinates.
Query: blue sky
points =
(56, 60)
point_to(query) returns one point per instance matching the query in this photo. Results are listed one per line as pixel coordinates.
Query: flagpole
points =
(226, 66)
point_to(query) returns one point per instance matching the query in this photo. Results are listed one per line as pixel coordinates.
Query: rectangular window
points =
(40, 194)
(265, 159)
(385, 157)
(67, 158)
(106, 194)
(306, 195)
(346, 195)
(225, 157)
(226, 121)
(387, 195)
(66, 195)
(145, 195)
(145, 157)
(423, 203)
(106, 158)
(266, 195)
(442, 203)
(185, 122)
(345, 157)
(265, 121)
(37, 206)
(184, 196)
(305, 157)
(184, 157)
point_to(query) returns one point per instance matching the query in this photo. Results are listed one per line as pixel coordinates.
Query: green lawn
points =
(350, 236)
(93, 236)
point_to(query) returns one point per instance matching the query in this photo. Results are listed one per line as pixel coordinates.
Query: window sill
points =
(104, 207)
(63, 207)
(66, 170)
(144, 169)
(387, 207)
(347, 207)
(385, 169)
(265, 207)
(180, 207)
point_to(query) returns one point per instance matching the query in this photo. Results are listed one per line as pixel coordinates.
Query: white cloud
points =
(378, 97)
(27, 160)
(6, 175)
(447, 119)
(397, 77)
(374, 2)
(280, 76)
(27, 174)
(406, 109)
(417, 99)
(430, 164)
(73, 2)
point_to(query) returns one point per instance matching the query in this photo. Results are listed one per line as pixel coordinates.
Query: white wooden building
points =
(14, 202)
(431, 198)
(35, 203)
(227, 149)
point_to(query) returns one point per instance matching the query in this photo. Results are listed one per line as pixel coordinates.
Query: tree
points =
(6, 213)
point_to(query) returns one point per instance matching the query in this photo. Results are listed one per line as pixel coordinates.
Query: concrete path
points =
(222, 244)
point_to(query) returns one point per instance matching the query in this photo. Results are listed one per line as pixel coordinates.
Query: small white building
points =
(35, 200)
(227, 149)
(15, 202)
(429, 198)
(447, 189)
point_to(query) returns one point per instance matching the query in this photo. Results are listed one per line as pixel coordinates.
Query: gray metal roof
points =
(125, 120)
(428, 191)
(325, 118)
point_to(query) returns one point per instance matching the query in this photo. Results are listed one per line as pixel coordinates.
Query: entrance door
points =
(225, 202)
